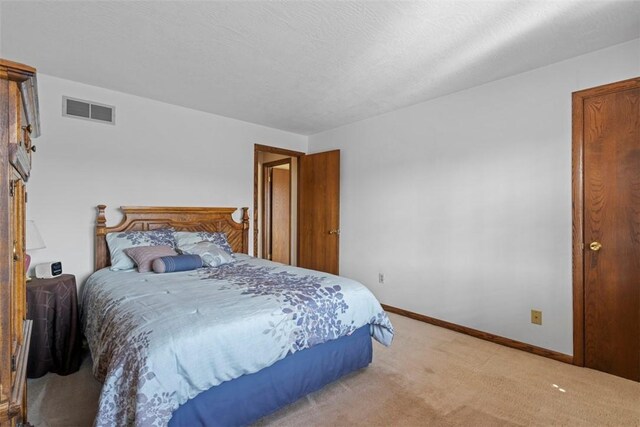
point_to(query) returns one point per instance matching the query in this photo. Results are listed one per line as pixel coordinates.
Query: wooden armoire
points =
(19, 122)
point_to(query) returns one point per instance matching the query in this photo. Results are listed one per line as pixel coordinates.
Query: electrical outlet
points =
(380, 278)
(536, 317)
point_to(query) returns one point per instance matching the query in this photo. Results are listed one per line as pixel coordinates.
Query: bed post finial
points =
(245, 230)
(101, 255)
(101, 220)
(245, 218)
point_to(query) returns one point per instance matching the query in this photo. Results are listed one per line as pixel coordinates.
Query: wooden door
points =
(276, 213)
(280, 215)
(319, 211)
(607, 120)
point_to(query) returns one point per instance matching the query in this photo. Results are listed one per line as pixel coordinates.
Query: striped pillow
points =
(169, 264)
(143, 256)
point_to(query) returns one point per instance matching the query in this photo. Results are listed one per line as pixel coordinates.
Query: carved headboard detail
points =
(180, 218)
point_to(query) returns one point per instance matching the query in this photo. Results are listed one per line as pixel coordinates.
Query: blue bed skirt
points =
(250, 397)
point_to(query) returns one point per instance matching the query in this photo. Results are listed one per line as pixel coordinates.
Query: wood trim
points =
(275, 163)
(257, 149)
(507, 342)
(606, 89)
(577, 186)
(6, 279)
(18, 67)
(17, 72)
(277, 150)
(180, 218)
(263, 212)
(577, 229)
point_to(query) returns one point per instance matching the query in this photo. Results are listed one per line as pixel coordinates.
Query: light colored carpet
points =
(429, 376)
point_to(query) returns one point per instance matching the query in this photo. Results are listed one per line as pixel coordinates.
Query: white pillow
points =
(190, 237)
(212, 255)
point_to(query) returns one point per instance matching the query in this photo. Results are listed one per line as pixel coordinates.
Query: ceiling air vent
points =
(88, 110)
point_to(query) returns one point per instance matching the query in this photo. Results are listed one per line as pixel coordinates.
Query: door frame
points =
(266, 166)
(577, 185)
(257, 149)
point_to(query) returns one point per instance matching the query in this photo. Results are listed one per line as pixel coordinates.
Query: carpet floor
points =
(429, 376)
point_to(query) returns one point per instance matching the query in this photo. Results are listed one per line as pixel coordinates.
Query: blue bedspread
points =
(158, 340)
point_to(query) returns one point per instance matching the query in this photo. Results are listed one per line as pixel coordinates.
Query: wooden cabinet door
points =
(610, 126)
(18, 276)
(319, 211)
(17, 83)
(17, 202)
(12, 277)
(6, 258)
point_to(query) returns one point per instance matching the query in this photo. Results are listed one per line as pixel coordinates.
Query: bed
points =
(218, 346)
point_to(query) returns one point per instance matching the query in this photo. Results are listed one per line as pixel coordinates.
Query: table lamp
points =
(33, 242)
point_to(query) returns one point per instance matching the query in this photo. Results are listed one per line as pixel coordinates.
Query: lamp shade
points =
(33, 237)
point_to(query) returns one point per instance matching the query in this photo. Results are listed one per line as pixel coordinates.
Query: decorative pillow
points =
(119, 241)
(212, 255)
(143, 256)
(169, 264)
(184, 238)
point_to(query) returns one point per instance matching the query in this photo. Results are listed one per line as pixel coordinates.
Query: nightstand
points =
(52, 304)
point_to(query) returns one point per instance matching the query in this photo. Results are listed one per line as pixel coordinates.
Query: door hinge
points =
(26, 197)
(13, 363)
(12, 187)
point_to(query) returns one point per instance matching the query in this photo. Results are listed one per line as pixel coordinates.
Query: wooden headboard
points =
(180, 218)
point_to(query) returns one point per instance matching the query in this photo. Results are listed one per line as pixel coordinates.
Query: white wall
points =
(464, 202)
(157, 154)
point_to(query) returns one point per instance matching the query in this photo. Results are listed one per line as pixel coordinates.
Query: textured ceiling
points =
(304, 67)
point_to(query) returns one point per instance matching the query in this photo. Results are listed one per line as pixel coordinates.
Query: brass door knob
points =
(595, 246)
(334, 232)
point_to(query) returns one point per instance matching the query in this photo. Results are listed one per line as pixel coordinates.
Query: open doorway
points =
(314, 230)
(276, 210)
(275, 204)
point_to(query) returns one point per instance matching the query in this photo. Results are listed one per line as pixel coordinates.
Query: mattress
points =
(159, 340)
(246, 399)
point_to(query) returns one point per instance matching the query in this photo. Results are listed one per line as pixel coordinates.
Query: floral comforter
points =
(158, 340)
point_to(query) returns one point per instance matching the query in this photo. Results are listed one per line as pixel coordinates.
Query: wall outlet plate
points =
(536, 317)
